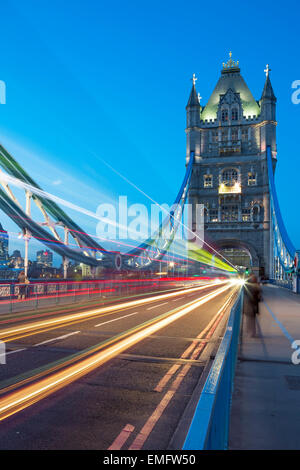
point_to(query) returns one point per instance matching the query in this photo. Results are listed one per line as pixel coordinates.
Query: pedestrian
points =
(252, 297)
(23, 281)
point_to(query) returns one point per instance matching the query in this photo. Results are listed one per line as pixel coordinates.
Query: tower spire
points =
(193, 99)
(267, 70)
(268, 92)
(230, 65)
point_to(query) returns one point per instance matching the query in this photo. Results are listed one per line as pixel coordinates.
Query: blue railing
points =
(210, 425)
(275, 205)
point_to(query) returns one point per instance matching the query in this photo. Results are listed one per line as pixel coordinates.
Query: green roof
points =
(231, 79)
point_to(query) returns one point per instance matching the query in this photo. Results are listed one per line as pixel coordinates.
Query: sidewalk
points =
(266, 399)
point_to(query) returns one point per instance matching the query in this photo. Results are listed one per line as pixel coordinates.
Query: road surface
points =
(114, 377)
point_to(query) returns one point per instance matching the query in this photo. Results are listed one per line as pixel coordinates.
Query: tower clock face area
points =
(229, 135)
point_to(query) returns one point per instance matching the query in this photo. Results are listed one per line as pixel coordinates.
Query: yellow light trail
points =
(30, 394)
(11, 334)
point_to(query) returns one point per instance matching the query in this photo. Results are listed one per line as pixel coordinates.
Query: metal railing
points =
(210, 425)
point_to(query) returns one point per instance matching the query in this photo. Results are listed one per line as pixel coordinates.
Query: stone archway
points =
(240, 245)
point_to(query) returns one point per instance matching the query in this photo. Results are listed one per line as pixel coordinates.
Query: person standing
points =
(252, 297)
(23, 281)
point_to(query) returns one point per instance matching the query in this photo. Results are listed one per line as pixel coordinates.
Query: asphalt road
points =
(134, 400)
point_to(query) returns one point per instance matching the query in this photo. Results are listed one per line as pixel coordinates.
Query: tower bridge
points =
(232, 137)
(161, 333)
(231, 157)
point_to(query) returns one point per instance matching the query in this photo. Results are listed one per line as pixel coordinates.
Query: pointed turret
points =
(193, 110)
(268, 99)
(193, 99)
(268, 115)
(193, 107)
(268, 92)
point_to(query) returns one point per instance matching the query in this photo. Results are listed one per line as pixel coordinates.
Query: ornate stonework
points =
(229, 136)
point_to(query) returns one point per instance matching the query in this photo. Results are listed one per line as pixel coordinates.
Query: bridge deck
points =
(266, 399)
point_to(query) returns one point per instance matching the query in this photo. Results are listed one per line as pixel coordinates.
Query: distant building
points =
(3, 248)
(44, 258)
(16, 254)
(16, 261)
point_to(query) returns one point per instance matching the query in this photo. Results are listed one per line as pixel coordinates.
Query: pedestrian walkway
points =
(266, 399)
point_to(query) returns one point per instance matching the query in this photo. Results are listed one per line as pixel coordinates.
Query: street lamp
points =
(26, 235)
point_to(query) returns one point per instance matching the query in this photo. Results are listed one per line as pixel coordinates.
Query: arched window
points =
(234, 114)
(224, 115)
(230, 177)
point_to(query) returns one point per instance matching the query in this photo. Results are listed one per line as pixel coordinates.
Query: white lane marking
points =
(58, 337)
(15, 351)
(115, 319)
(155, 306)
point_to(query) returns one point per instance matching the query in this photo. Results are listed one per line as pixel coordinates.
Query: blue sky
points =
(92, 80)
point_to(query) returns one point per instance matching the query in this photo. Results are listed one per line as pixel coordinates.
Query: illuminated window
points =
(208, 181)
(214, 215)
(234, 114)
(230, 177)
(229, 212)
(251, 179)
(224, 115)
(246, 215)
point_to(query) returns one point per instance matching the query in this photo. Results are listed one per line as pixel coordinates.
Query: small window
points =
(234, 114)
(224, 115)
(234, 135)
(215, 136)
(205, 215)
(251, 179)
(246, 215)
(208, 181)
(214, 215)
(244, 135)
(224, 136)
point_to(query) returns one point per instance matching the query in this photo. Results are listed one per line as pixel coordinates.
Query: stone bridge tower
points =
(229, 136)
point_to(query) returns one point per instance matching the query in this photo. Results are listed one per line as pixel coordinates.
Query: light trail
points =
(17, 317)
(16, 401)
(39, 192)
(11, 334)
(194, 234)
